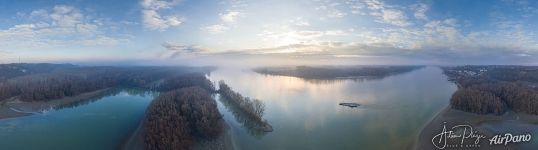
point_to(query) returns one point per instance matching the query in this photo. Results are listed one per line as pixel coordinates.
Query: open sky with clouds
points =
(274, 32)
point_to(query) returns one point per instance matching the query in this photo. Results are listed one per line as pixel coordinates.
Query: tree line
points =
(8, 71)
(253, 109)
(495, 89)
(77, 80)
(331, 72)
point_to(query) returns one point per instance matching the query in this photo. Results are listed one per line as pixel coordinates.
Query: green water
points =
(305, 113)
(99, 124)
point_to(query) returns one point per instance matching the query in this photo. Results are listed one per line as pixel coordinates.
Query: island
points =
(248, 111)
(336, 72)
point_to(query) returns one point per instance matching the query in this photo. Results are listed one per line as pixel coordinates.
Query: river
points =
(96, 124)
(305, 113)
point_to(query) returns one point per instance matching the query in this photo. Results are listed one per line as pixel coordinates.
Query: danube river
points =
(305, 113)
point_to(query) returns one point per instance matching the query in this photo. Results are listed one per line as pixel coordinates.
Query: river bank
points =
(14, 107)
(136, 140)
(452, 117)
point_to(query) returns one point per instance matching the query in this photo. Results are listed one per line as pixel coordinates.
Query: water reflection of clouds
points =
(392, 108)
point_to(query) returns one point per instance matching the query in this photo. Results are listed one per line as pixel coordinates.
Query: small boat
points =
(349, 104)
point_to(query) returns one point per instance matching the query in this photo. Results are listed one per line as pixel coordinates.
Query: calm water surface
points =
(99, 124)
(306, 114)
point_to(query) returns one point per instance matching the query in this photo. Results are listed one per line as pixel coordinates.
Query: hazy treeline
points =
(75, 80)
(495, 89)
(251, 108)
(179, 118)
(185, 80)
(8, 71)
(330, 72)
(106, 93)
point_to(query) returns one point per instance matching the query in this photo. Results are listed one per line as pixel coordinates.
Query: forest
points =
(178, 118)
(185, 80)
(252, 109)
(494, 89)
(71, 81)
(183, 114)
(332, 72)
(20, 69)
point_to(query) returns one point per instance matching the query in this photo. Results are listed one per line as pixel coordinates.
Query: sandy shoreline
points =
(13, 107)
(454, 117)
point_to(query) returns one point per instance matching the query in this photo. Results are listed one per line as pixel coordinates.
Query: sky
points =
(269, 32)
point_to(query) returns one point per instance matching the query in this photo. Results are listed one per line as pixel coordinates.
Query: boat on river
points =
(350, 104)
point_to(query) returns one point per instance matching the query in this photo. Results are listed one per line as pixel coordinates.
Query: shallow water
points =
(305, 113)
(97, 124)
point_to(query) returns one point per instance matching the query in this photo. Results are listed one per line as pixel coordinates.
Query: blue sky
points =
(277, 32)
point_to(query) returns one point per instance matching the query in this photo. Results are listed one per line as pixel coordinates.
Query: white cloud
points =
(102, 40)
(331, 9)
(374, 4)
(356, 7)
(290, 36)
(300, 22)
(230, 16)
(383, 28)
(335, 13)
(336, 33)
(39, 13)
(395, 17)
(386, 14)
(214, 29)
(153, 20)
(176, 50)
(62, 25)
(420, 11)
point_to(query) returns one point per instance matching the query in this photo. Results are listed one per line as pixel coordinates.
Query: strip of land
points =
(336, 72)
(14, 107)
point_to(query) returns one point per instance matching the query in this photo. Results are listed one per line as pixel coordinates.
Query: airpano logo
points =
(464, 136)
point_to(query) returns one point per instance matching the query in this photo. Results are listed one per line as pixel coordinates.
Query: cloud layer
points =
(152, 18)
(444, 32)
